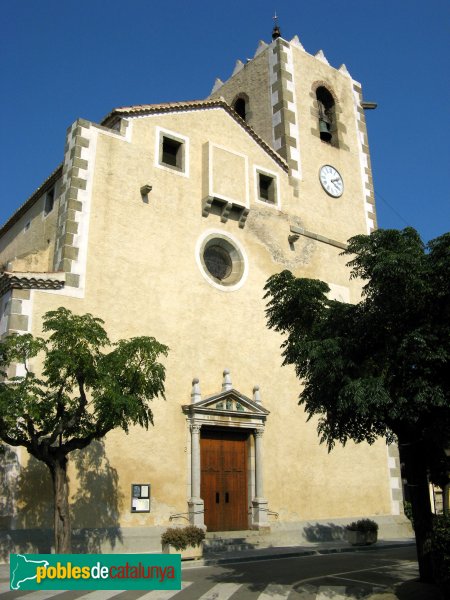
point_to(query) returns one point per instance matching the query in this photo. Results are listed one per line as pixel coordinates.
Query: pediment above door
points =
(229, 407)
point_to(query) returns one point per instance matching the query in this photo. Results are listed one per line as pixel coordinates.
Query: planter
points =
(190, 553)
(187, 541)
(361, 538)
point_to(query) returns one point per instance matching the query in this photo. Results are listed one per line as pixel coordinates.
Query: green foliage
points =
(87, 385)
(379, 367)
(440, 550)
(182, 537)
(408, 512)
(363, 525)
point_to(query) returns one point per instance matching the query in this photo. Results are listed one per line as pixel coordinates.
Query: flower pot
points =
(361, 538)
(190, 553)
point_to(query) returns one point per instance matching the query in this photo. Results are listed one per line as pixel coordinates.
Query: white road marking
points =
(164, 594)
(221, 591)
(275, 592)
(327, 592)
(40, 595)
(98, 595)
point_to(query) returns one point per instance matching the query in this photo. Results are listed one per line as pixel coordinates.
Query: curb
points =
(263, 555)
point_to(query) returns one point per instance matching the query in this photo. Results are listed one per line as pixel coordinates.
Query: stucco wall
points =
(143, 278)
(133, 260)
(28, 245)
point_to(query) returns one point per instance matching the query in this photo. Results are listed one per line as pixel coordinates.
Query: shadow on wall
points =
(324, 533)
(96, 505)
(26, 503)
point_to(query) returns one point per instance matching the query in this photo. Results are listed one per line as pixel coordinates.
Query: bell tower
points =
(312, 114)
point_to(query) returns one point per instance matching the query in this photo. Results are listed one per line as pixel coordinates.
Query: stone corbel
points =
(226, 211)
(224, 208)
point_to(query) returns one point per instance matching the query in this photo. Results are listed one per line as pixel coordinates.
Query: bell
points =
(276, 33)
(324, 131)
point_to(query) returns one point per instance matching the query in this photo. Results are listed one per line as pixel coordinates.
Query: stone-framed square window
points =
(172, 151)
(266, 184)
(266, 188)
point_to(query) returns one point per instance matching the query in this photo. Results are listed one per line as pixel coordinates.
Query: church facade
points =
(167, 220)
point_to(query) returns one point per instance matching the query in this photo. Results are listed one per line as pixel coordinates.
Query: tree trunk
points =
(63, 531)
(412, 454)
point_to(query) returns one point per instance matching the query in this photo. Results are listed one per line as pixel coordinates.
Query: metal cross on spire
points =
(276, 33)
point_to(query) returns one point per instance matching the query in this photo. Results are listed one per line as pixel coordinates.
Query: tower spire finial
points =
(276, 33)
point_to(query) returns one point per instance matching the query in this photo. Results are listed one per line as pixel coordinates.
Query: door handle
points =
(227, 497)
(217, 497)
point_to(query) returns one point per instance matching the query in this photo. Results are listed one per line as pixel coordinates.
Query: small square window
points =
(172, 152)
(49, 201)
(266, 188)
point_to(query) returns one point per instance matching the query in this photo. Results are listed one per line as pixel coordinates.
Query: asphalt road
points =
(341, 575)
(357, 575)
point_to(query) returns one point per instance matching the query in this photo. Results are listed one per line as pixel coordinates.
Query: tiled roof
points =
(28, 280)
(143, 109)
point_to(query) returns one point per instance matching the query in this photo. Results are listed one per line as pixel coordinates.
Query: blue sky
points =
(62, 60)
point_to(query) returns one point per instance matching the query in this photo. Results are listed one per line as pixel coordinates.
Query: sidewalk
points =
(276, 552)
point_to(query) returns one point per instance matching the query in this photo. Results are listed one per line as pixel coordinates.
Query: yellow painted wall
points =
(143, 279)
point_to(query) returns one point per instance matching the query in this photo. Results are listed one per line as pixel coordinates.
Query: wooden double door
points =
(223, 460)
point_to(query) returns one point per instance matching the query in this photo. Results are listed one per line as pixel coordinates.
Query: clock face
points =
(331, 181)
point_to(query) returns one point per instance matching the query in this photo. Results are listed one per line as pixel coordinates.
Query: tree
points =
(379, 367)
(82, 393)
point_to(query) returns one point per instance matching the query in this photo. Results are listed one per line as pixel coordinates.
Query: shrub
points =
(363, 525)
(408, 512)
(182, 537)
(440, 550)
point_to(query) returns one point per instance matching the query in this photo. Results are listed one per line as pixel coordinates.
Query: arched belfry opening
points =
(327, 114)
(226, 466)
(241, 105)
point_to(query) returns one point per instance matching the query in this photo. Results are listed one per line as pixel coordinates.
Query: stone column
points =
(195, 461)
(259, 503)
(196, 505)
(259, 485)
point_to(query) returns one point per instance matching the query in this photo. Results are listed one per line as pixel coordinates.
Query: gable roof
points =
(169, 107)
(143, 109)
